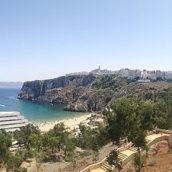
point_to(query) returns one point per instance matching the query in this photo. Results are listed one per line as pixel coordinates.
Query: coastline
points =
(68, 122)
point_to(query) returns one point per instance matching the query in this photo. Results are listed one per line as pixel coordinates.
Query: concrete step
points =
(147, 140)
(106, 166)
(122, 156)
(134, 149)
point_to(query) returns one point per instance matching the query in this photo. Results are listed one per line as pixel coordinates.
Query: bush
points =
(13, 163)
(52, 158)
(137, 162)
(25, 154)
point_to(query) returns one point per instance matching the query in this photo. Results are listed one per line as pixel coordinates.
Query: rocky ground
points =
(159, 159)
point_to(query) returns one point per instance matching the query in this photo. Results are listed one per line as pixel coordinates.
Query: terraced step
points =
(134, 149)
(122, 156)
(147, 140)
(105, 166)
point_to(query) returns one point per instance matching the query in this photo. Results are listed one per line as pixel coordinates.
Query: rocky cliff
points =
(65, 89)
(88, 92)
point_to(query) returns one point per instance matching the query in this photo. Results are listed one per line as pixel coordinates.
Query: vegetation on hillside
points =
(57, 145)
(132, 118)
(127, 118)
(110, 82)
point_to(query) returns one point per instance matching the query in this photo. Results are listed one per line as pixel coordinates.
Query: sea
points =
(33, 111)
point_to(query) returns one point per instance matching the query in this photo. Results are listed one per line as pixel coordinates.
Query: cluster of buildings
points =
(102, 72)
(77, 73)
(143, 75)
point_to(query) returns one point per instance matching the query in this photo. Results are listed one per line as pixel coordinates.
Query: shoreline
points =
(68, 122)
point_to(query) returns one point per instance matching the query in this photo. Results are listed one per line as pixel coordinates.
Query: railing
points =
(103, 160)
(163, 137)
(93, 165)
(164, 131)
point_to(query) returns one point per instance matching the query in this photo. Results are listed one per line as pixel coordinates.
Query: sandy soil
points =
(162, 160)
(71, 122)
(159, 160)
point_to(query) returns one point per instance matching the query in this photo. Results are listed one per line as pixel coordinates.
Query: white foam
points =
(2, 105)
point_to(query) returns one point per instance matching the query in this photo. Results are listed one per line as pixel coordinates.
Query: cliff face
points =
(88, 92)
(65, 89)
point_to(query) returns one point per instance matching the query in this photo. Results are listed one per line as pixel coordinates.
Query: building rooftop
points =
(11, 121)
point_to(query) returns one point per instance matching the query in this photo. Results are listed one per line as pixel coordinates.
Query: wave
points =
(1, 105)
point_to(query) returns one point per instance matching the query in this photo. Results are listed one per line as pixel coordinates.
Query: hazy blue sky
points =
(47, 38)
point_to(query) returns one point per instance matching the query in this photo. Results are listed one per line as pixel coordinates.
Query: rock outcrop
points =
(86, 93)
(65, 89)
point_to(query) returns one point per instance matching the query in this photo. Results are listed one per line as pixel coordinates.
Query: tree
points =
(95, 148)
(114, 129)
(102, 136)
(145, 114)
(45, 141)
(5, 143)
(113, 160)
(53, 143)
(118, 116)
(22, 135)
(138, 139)
(166, 109)
(84, 140)
(69, 148)
(13, 163)
(160, 115)
(35, 141)
(141, 122)
(59, 131)
(131, 118)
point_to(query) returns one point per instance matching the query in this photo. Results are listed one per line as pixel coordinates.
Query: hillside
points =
(90, 92)
(10, 84)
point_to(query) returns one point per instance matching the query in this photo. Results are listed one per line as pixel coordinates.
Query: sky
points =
(41, 39)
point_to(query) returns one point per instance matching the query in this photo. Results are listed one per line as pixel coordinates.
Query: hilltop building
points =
(168, 75)
(98, 71)
(130, 74)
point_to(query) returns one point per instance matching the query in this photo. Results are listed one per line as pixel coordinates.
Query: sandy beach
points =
(70, 122)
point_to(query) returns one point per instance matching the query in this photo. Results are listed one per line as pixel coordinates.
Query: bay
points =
(33, 111)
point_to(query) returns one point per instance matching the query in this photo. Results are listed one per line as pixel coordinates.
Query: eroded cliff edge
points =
(87, 93)
(70, 90)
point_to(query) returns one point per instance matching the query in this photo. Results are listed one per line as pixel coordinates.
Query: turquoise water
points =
(33, 111)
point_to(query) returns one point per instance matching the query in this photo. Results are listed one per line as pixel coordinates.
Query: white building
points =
(98, 71)
(144, 74)
(160, 74)
(152, 75)
(168, 75)
(133, 74)
(124, 73)
(11, 121)
(130, 74)
(77, 73)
